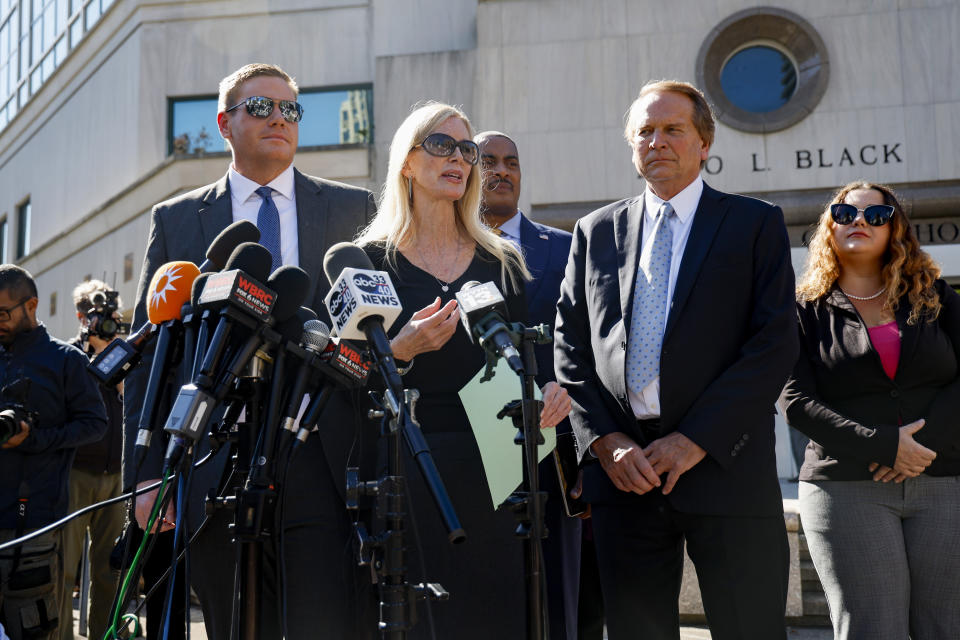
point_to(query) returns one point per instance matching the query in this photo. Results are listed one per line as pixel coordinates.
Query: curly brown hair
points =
(907, 269)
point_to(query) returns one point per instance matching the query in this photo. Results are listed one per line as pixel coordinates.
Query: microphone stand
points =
(254, 494)
(528, 502)
(385, 552)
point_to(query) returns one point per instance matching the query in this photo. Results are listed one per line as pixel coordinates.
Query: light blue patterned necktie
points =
(268, 221)
(650, 305)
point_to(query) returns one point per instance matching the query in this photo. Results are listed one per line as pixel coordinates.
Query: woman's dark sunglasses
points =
(260, 107)
(442, 145)
(876, 215)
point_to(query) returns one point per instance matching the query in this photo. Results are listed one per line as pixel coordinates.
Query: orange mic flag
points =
(170, 290)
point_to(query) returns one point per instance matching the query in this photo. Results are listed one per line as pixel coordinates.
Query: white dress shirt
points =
(646, 404)
(246, 206)
(510, 230)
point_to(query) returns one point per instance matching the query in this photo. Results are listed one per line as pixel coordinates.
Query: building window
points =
(759, 78)
(193, 126)
(331, 116)
(764, 69)
(35, 38)
(23, 229)
(53, 303)
(128, 267)
(3, 241)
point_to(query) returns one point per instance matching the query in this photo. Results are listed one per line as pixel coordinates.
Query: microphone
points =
(201, 318)
(219, 251)
(363, 304)
(239, 296)
(316, 336)
(483, 312)
(291, 330)
(192, 317)
(292, 285)
(119, 357)
(193, 408)
(168, 290)
(341, 363)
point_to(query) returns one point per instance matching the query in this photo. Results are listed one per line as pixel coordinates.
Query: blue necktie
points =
(268, 221)
(650, 306)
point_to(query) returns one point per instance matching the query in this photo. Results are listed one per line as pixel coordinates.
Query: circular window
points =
(763, 69)
(759, 79)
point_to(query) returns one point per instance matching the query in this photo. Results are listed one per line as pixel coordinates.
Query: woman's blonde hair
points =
(907, 269)
(393, 224)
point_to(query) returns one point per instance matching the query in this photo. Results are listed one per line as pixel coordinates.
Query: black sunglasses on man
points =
(262, 107)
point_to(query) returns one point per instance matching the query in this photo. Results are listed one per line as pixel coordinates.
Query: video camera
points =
(13, 408)
(100, 316)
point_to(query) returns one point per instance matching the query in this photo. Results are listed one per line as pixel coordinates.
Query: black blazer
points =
(728, 346)
(182, 228)
(840, 396)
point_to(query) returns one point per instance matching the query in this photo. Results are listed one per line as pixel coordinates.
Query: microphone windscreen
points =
(470, 285)
(292, 285)
(169, 289)
(316, 335)
(305, 315)
(291, 330)
(343, 255)
(251, 258)
(227, 240)
(197, 289)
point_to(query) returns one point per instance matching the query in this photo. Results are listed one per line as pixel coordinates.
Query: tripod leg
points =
(84, 584)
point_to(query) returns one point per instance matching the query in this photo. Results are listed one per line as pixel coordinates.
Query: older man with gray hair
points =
(676, 330)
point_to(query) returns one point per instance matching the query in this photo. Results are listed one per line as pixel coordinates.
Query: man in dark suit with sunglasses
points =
(299, 217)
(676, 330)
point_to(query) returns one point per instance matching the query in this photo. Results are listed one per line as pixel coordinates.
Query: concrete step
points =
(808, 574)
(815, 604)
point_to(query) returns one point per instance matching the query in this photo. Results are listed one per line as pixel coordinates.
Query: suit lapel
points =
(909, 334)
(710, 213)
(216, 211)
(311, 227)
(536, 250)
(627, 233)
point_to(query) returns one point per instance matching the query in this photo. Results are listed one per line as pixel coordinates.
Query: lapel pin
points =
(544, 236)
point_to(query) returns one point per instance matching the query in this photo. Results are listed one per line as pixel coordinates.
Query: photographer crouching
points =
(49, 405)
(95, 475)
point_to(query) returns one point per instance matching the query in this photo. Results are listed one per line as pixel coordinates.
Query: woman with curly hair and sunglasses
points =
(428, 235)
(876, 389)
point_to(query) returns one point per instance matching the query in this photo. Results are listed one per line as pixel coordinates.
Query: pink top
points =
(886, 340)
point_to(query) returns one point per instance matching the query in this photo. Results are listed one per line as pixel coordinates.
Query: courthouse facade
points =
(109, 106)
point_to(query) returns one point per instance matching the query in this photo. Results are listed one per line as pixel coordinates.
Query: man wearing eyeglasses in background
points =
(299, 218)
(50, 406)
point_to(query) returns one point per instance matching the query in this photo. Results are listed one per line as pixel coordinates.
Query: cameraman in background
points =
(49, 405)
(95, 475)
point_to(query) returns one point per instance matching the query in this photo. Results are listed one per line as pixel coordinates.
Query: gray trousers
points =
(887, 555)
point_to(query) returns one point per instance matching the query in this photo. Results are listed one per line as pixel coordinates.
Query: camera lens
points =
(108, 327)
(8, 425)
